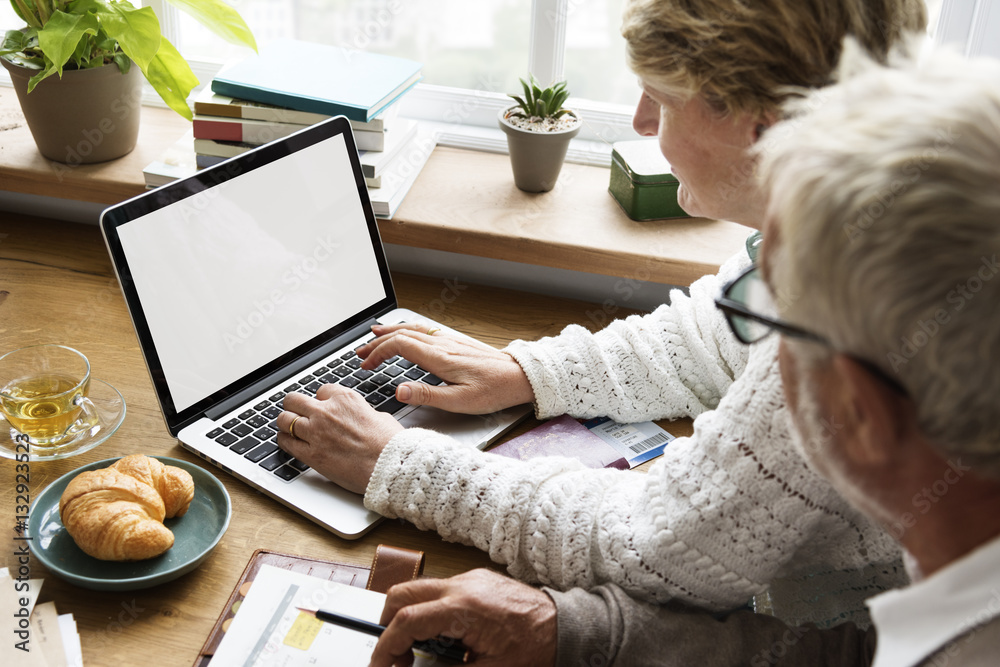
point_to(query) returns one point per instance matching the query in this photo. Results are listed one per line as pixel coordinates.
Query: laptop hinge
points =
(288, 370)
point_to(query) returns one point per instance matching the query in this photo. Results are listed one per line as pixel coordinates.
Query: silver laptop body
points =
(260, 276)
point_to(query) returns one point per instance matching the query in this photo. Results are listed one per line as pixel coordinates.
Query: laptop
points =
(258, 277)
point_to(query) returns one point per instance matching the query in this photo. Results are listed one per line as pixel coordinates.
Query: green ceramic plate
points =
(195, 535)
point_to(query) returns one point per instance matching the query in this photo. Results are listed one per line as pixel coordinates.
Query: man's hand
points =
(502, 621)
(481, 379)
(337, 433)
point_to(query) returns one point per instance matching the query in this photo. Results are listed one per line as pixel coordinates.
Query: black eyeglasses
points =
(752, 314)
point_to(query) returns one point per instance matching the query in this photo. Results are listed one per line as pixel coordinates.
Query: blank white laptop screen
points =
(235, 276)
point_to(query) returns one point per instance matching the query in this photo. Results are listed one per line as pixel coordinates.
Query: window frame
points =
(467, 118)
(968, 26)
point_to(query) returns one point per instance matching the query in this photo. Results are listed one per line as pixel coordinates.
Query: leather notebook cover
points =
(391, 565)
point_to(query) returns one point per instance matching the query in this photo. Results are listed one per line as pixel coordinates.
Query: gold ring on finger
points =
(291, 427)
(433, 330)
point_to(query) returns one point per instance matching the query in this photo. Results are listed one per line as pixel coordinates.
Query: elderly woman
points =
(723, 513)
(899, 430)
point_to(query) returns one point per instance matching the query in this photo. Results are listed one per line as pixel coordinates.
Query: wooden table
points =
(57, 285)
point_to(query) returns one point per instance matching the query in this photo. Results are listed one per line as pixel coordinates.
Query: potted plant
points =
(538, 131)
(89, 111)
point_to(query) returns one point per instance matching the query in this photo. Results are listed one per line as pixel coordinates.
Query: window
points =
(472, 53)
(595, 53)
(482, 45)
(475, 45)
(8, 19)
(968, 25)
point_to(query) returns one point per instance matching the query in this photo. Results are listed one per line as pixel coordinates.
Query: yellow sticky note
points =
(303, 631)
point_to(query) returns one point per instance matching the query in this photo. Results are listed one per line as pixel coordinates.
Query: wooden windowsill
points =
(463, 202)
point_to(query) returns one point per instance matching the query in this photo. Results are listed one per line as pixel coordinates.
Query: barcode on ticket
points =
(652, 441)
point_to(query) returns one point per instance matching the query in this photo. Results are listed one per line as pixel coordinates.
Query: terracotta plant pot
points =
(536, 157)
(89, 115)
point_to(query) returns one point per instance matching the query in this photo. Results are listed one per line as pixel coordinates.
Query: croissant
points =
(115, 514)
(174, 485)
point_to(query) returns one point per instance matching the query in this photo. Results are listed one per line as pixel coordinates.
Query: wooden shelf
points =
(463, 202)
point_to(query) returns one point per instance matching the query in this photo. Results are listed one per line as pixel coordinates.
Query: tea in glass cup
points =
(43, 394)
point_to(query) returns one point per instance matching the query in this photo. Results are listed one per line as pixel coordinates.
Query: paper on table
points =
(637, 443)
(34, 588)
(71, 640)
(13, 613)
(562, 436)
(268, 628)
(46, 634)
(596, 443)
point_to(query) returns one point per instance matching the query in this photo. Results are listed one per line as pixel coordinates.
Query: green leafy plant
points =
(547, 103)
(82, 34)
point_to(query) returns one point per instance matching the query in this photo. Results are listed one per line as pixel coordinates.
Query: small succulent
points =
(541, 103)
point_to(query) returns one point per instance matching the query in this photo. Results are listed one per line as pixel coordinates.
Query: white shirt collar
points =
(914, 622)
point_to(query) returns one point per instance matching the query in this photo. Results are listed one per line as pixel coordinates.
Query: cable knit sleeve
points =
(716, 518)
(677, 361)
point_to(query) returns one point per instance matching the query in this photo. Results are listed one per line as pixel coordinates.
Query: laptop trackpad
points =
(472, 430)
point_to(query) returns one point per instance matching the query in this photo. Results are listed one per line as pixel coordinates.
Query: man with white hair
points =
(885, 223)
(880, 273)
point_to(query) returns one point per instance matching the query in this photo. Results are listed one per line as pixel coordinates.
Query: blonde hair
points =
(750, 56)
(886, 198)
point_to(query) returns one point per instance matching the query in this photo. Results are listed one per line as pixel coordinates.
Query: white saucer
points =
(110, 408)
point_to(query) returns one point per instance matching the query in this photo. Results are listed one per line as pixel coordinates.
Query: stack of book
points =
(226, 126)
(288, 86)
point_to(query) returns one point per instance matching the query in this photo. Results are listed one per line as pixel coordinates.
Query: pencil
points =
(443, 647)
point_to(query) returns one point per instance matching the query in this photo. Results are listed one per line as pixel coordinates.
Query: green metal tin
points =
(641, 181)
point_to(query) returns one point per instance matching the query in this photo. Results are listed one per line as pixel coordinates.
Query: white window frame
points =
(547, 47)
(467, 118)
(970, 26)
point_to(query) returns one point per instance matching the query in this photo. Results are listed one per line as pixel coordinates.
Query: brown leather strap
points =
(393, 565)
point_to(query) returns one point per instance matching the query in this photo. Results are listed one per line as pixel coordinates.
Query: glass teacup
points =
(43, 394)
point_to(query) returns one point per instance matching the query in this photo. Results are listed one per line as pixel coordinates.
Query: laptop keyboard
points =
(253, 432)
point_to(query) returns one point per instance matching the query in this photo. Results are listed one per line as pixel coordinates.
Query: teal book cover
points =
(320, 78)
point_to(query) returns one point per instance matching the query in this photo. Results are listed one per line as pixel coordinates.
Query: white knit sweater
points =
(719, 517)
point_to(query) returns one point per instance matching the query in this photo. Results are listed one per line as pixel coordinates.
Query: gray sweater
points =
(606, 627)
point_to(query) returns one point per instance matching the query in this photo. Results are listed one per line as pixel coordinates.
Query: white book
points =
(206, 161)
(399, 177)
(259, 132)
(178, 161)
(224, 149)
(386, 189)
(373, 163)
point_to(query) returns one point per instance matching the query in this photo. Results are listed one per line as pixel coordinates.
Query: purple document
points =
(563, 436)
